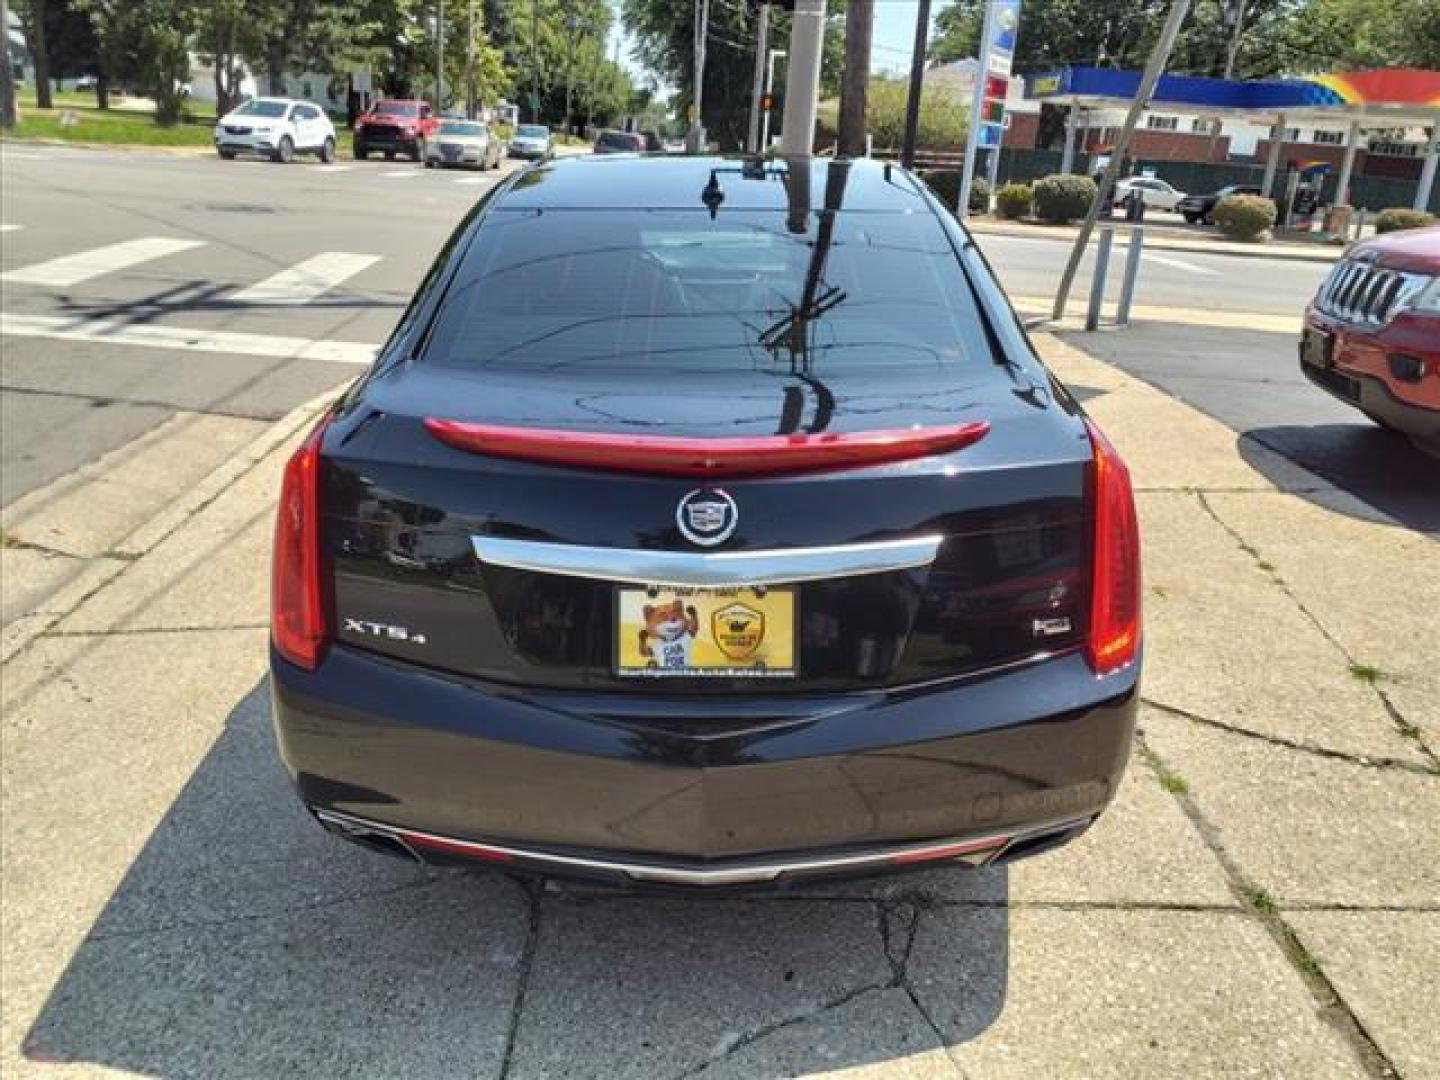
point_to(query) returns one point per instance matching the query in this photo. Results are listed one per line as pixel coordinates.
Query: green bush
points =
(1244, 217)
(1395, 218)
(979, 195)
(1062, 197)
(1013, 201)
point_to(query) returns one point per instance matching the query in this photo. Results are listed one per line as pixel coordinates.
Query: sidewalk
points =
(1260, 900)
(1165, 238)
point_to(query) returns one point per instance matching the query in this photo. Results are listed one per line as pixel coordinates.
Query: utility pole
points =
(470, 109)
(859, 25)
(439, 53)
(8, 115)
(802, 81)
(535, 60)
(695, 137)
(759, 88)
(1154, 67)
(571, 23)
(917, 81)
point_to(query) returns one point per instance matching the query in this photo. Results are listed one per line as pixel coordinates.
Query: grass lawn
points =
(121, 123)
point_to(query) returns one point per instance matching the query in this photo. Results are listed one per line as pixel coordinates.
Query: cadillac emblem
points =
(707, 516)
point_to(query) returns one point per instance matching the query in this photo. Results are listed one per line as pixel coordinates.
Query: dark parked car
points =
(619, 142)
(1372, 333)
(1201, 208)
(688, 530)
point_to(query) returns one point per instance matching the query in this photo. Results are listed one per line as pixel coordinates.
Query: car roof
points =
(670, 181)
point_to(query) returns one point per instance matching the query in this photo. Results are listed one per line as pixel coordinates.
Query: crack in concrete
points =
(531, 890)
(1332, 1008)
(145, 403)
(182, 925)
(731, 1046)
(14, 543)
(1406, 729)
(1280, 742)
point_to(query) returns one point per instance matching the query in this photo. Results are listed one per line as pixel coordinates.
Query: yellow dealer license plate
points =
(669, 631)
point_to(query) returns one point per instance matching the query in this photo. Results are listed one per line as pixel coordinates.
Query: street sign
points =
(992, 84)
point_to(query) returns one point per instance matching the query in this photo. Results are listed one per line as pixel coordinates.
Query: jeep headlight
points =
(1428, 298)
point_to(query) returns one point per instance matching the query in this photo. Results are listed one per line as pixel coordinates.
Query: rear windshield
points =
(461, 127)
(619, 138)
(398, 108)
(678, 290)
(533, 131)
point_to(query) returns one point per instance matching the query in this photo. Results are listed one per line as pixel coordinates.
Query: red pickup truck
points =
(395, 126)
(1372, 333)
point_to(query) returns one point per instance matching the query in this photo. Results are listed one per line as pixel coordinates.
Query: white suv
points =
(277, 128)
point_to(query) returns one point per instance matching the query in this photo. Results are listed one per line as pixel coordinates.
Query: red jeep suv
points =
(394, 126)
(1372, 333)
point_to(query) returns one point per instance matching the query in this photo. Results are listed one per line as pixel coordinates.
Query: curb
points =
(144, 538)
(1319, 255)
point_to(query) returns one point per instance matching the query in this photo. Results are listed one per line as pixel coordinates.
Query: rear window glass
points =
(462, 127)
(678, 290)
(398, 108)
(533, 131)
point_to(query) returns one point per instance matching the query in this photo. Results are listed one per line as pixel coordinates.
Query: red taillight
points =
(675, 455)
(949, 851)
(1115, 601)
(457, 847)
(299, 608)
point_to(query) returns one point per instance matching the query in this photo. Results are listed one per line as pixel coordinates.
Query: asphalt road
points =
(137, 284)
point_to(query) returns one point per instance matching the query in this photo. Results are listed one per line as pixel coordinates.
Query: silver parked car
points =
(532, 141)
(463, 142)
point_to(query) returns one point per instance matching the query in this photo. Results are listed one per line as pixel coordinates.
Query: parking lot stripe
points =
(303, 282)
(150, 336)
(73, 269)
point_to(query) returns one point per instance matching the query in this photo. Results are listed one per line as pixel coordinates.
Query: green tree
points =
(664, 42)
(1345, 35)
(146, 44)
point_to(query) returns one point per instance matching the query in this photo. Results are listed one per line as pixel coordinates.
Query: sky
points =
(892, 39)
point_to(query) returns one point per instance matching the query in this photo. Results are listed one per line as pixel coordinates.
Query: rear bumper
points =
(694, 792)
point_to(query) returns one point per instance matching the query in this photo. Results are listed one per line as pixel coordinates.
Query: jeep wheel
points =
(285, 151)
(327, 152)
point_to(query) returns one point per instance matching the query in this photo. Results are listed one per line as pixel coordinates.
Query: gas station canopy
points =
(1389, 96)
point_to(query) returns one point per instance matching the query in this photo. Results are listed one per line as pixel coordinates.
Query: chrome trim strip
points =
(977, 851)
(695, 568)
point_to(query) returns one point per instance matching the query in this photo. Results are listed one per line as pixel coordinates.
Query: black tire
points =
(227, 155)
(327, 152)
(1191, 219)
(389, 155)
(419, 152)
(284, 151)
(429, 163)
(361, 154)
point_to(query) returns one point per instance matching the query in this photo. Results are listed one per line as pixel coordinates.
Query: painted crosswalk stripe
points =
(74, 269)
(152, 336)
(303, 282)
(476, 179)
(401, 174)
(5, 226)
(336, 168)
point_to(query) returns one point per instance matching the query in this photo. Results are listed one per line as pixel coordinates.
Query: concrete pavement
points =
(1260, 901)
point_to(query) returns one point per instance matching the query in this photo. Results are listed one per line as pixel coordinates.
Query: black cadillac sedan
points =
(707, 522)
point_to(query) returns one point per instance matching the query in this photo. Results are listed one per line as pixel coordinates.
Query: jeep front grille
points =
(1360, 292)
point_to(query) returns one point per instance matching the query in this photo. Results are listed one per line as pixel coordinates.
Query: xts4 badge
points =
(385, 631)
